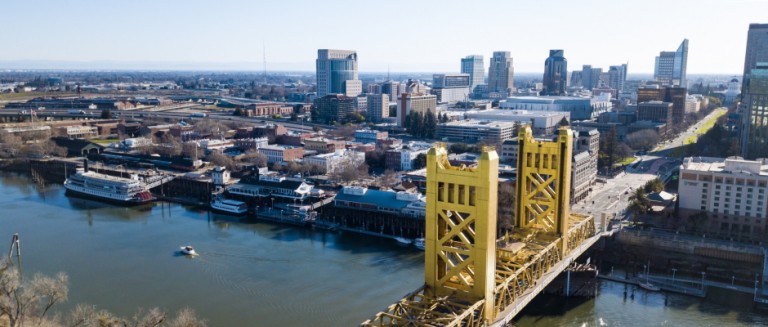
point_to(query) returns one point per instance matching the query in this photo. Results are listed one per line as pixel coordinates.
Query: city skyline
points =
(234, 35)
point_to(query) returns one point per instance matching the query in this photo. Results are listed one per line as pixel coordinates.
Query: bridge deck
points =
(514, 308)
(522, 272)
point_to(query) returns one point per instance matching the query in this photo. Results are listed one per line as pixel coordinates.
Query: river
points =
(253, 273)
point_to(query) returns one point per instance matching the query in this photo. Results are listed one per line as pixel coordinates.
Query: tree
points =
(209, 126)
(255, 157)
(25, 303)
(644, 140)
(238, 112)
(654, 185)
(390, 177)
(639, 203)
(505, 210)
(347, 131)
(607, 151)
(106, 114)
(429, 125)
(220, 159)
(191, 150)
(354, 117)
(458, 148)
(420, 161)
(348, 172)
(375, 159)
(168, 146)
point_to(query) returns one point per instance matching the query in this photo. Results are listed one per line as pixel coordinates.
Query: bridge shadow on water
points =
(550, 305)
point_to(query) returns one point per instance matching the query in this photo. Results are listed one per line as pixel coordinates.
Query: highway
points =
(155, 113)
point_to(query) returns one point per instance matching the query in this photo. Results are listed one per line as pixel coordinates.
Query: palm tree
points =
(639, 203)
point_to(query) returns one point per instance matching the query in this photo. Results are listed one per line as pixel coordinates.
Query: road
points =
(611, 197)
(139, 114)
(666, 147)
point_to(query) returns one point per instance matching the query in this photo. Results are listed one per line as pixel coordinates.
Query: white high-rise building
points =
(671, 66)
(337, 73)
(473, 65)
(732, 192)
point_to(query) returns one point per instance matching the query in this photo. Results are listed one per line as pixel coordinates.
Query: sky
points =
(402, 36)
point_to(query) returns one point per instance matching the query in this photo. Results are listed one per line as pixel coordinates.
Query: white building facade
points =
(732, 192)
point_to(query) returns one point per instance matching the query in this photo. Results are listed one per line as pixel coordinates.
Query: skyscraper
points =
(617, 76)
(473, 65)
(754, 137)
(501, 74)
(671, 66)
(337, 73)
(757, 46)
(590, 77)
(754, 94)
(556, 73)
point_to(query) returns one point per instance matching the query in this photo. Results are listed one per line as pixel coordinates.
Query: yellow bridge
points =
(472, 278)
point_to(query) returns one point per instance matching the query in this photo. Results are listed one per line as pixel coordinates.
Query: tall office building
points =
(473, 65)
(672, 94)
(754, 94)
(415, 102)
(754, 142)
(333, 108)
(337, 73)
(590, 77)
(501, 74)
(556, 73)
(757, 47)
(617, 76)
(378, 107)
(671, 66)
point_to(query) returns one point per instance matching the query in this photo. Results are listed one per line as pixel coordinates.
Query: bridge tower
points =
(460, 254)
(544, 182)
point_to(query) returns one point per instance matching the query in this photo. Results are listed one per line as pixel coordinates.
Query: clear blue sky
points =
(413, 35)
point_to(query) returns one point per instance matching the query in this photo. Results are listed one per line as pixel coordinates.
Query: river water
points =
(252, 273)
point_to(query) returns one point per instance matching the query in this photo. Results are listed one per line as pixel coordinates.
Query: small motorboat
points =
(419, 243)
(403, 240)
(188, 250)
(649, 287)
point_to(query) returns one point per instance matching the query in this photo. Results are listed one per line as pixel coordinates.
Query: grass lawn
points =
(691, 139)
(627, 161)
(707, 125)
(104, 142)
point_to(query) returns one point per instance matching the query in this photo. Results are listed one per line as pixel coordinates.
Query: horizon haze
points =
(431, 36)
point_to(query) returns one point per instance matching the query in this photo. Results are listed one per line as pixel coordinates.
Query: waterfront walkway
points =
(688, 286)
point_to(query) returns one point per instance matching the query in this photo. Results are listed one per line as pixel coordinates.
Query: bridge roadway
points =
(523, 270)
(506, 316)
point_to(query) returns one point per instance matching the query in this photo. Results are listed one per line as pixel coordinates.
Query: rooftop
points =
(482, 123)
(732, 165)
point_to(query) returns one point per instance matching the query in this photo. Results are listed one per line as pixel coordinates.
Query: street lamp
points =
(702, 279)
(755, 288)
(733, 279)
(674, 270)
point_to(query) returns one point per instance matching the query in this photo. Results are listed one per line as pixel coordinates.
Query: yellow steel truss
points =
(543, 181)
(468, 280)
(461, 226)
